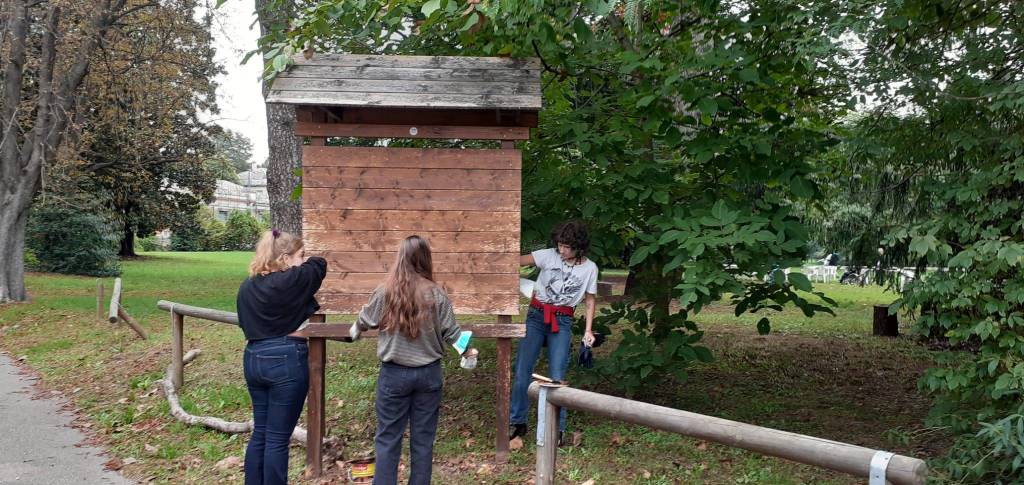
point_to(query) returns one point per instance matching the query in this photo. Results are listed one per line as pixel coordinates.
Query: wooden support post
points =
(315, 403)
(502, 393)
(177, 349)
(884, 324)
(115, 301)
(547, 452)
(99, 299)
(131, 322)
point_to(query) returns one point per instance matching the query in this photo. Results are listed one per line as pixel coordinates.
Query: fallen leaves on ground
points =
(229, 462)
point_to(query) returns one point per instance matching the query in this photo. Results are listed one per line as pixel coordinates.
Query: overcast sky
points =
(239, 92)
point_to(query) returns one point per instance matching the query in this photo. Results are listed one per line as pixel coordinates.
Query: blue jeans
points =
(559, 346)
(406, 395)
(277, 374)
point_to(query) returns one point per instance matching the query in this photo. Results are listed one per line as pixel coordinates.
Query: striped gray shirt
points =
(434, 337)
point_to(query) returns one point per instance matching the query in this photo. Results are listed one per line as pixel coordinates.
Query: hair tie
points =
(275, 233)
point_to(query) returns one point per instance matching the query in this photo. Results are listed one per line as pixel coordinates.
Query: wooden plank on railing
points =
(834, 455)
(198, 312)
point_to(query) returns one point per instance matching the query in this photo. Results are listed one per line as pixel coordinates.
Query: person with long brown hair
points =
(274, 301)
(416, 322)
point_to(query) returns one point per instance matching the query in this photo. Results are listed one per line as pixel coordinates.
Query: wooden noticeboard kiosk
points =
(359, 202)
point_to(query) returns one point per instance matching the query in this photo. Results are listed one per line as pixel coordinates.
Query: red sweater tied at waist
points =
(550, 311)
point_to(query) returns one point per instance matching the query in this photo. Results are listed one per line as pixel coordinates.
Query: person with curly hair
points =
(566, 279)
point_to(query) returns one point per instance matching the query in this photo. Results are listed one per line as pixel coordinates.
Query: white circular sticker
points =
(413, 131)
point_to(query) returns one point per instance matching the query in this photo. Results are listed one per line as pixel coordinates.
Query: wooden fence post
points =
(177, 348)
(99, 298)
(547, 450)
(502, 393)
(131, 322)
(315, 422)
(115, 301)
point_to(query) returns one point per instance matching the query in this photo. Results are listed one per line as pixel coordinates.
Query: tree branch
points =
(13, 72)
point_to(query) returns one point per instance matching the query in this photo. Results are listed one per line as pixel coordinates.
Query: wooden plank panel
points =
(452, 117)
(407, 100)
(470, 200)
(421, 87)
(411, 74)
(410, 158)
(410, 178)
(453, 283)
(434, 62)
(388, 241)
(404, 220)
(381, 262)
(471, 304)
(413, 131)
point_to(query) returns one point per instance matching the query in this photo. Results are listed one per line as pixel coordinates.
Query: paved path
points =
(37, 445)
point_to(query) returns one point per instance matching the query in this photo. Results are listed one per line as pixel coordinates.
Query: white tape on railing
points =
(879, 462)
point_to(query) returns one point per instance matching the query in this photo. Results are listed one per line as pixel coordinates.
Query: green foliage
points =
(149, 244)
(948, 127)
(204, 232)
(681, 132)
(71, 239)
(654, 347)
(241, 232)
(234, 148)
(31, 261)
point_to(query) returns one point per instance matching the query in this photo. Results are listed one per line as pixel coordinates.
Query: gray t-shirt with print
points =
(560, 282)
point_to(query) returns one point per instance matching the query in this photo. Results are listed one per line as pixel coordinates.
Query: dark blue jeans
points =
(406, 395)
(559, 346)
(277, 373)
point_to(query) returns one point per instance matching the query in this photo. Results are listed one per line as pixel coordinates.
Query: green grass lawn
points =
(824, 376)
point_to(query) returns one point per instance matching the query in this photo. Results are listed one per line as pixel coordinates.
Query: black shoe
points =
(561, 439)
(516, 430)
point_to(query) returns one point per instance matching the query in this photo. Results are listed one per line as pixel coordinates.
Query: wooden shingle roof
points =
(410, 82)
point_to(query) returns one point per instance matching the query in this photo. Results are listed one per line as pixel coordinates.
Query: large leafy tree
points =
(140, 138)
(48, 48)
(680, 131)
(234, 147)
(948, 124)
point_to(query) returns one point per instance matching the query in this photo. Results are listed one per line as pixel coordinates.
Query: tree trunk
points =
(884, 324)
(285, 148)
(127, 243)
(13, 219)
(285, 157)
(23, 152)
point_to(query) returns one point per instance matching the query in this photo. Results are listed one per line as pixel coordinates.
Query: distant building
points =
(249, 195)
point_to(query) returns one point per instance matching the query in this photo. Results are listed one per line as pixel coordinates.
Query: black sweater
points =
(278, 303)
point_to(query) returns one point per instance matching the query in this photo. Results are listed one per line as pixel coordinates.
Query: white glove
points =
(354, 332)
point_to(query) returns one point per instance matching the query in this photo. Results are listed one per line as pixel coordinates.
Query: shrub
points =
(241, 232)
(149, 244)
(72, 240)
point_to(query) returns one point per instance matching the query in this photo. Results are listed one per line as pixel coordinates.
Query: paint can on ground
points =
(361, 471)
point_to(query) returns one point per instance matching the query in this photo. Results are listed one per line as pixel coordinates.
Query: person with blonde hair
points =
(416, 323)
(274, 301)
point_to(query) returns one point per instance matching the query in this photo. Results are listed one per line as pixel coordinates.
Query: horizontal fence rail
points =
(843, 457)
(198, 312)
